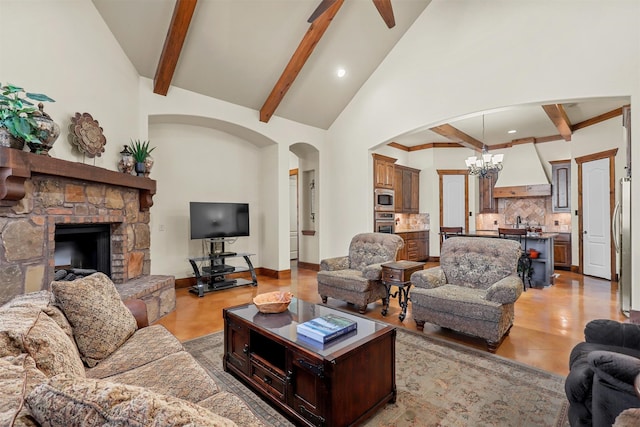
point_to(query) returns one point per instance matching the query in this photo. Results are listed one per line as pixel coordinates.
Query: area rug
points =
(439, 383)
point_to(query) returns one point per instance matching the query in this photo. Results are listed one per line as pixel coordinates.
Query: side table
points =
(398, 273)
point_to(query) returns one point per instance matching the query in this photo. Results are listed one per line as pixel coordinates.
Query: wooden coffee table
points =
(341, 383)
(398, 273)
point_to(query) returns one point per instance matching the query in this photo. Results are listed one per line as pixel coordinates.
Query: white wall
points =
(65, 50)
(198, 164)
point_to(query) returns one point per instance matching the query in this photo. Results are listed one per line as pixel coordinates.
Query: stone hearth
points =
(39, 192)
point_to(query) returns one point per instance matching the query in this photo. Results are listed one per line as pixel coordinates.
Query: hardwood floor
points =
(548, 322)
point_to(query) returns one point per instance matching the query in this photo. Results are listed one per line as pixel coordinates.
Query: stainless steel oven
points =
(383, 200)
(384, 222)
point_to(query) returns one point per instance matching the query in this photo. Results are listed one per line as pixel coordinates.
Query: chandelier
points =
(487, 163)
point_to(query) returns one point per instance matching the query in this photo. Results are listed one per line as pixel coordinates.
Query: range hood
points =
(522, 174)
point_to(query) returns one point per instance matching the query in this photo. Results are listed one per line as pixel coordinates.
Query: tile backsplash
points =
(533, 212)
(405, 222)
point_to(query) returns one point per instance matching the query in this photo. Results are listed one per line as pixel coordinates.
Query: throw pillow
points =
(28, 329)
(100, 321)
(18, 376)
(63, 400)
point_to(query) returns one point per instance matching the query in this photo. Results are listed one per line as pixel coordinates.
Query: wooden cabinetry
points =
(487, 203)
(383, 171)
(562, 251)
(561, 186)
(416, 246)
(329, 386)
(407, 189)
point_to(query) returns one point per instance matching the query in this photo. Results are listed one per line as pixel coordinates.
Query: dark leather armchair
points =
(600, 384)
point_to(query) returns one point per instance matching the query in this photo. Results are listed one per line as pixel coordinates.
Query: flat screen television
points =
(217, 220)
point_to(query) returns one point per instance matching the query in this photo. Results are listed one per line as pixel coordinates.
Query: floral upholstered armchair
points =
(356, 278)
(474, 289)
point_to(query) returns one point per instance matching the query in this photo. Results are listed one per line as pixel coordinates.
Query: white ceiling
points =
(528, 121)
(236, 50)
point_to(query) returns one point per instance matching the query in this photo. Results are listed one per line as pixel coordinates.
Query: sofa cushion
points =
(100, 321)
(90, 402)
(27, 329)
(349, 280)
(144, 346)
(178, 375)
(478, 262)
(231, 406)
(45, 301)
(373, 248)
(18, 376)
(466, 302)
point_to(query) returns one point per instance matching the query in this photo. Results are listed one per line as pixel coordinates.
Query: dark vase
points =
(140, 168)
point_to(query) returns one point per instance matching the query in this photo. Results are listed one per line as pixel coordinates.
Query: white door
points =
(596, 220)
(453, 203)
(293, 217)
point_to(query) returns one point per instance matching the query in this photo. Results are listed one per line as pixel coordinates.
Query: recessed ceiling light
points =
(341, 72)
(512, 131)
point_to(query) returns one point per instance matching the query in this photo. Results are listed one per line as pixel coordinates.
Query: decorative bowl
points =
(273, 302)
(533, 254)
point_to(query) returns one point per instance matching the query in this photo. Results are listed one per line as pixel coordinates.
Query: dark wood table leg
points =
(403, 299)
(385, 309)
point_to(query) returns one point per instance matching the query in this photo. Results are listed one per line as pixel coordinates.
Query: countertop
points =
(494, 233)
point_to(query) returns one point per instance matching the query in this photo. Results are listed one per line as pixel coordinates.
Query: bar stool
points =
(446, 232)
(525, 265)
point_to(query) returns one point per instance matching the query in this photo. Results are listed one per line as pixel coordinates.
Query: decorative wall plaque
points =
(86, 134)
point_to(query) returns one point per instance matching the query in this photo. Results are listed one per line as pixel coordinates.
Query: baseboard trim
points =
(309, 266)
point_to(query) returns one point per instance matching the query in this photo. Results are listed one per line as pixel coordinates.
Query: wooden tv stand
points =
(341, 383)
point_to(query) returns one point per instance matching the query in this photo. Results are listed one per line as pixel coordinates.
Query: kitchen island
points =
(542, 274)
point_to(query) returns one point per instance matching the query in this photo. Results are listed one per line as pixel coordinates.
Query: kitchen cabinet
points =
(487, 203)
(383, 171)
(561, 186)
(562, 251)
(407, 189)
(416, 246)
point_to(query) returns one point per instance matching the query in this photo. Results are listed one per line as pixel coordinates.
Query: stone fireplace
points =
(40, 194)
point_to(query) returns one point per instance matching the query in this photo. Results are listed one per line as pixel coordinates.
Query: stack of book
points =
(326, 328)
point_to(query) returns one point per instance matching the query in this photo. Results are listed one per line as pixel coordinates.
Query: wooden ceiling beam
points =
(305, 48)
(177, 33)
(559, 118)
(386, 11)
(597, 119)
(458, 136)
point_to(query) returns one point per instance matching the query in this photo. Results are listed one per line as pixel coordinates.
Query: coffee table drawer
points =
(267, 378)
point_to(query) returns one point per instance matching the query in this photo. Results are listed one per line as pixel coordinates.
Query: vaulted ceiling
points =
(280, 57)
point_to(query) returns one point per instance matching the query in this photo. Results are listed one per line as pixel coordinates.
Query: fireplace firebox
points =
(83, 247)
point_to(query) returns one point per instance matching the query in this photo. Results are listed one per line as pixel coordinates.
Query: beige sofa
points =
(75, 356)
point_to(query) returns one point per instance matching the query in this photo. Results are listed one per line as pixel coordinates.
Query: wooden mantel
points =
(17, 166)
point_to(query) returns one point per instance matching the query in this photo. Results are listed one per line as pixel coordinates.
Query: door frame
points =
(441, 173)
(294, 172)
(611, 155)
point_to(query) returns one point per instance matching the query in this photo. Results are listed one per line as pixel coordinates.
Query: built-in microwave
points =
(383, 199)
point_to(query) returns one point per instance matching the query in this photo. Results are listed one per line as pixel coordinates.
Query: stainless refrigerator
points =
(622, 238)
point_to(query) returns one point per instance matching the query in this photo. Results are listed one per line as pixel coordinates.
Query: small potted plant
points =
(140, 152)
(21, 121)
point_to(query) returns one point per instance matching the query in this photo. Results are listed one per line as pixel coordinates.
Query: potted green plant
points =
(140, 152)
(21, 121)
